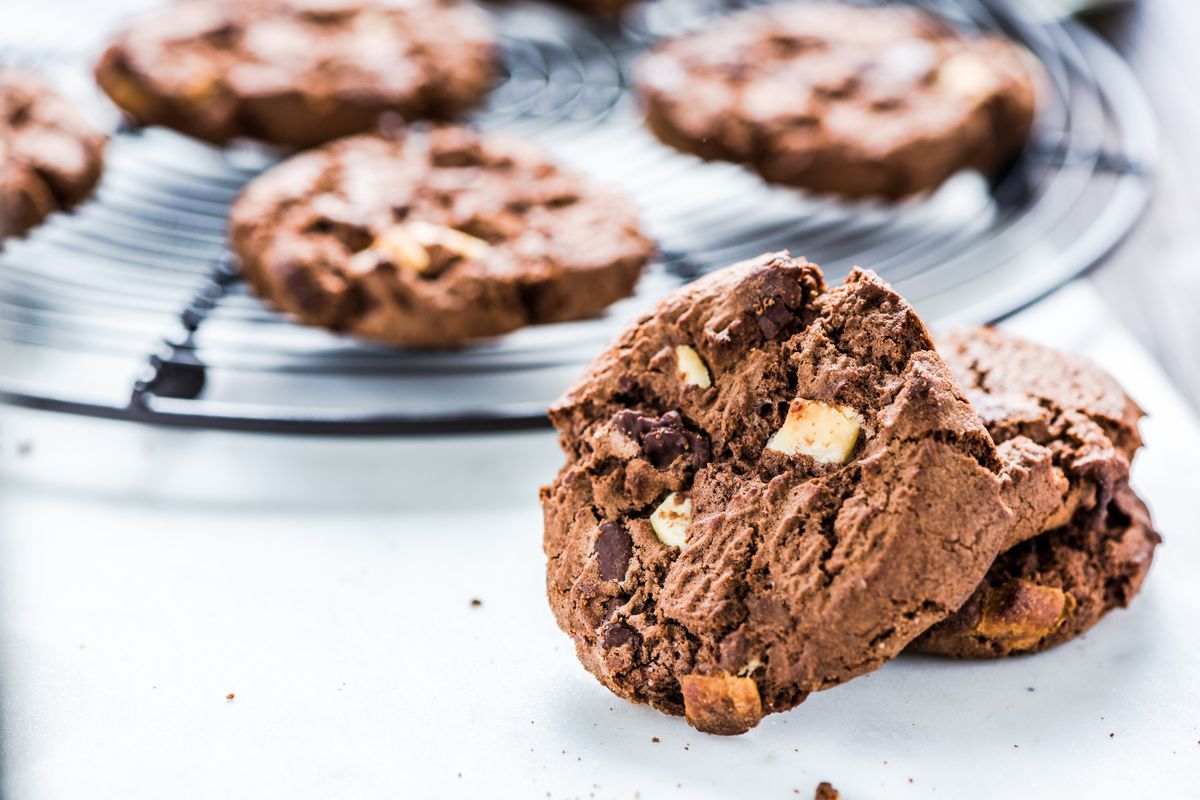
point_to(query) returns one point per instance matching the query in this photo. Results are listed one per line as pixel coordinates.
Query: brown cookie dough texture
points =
(434, 237)
(1065, 430)
(861, 102)
(298, 72)
(1054, 587)
(1067, 434)
(51, 156)
(755, 503)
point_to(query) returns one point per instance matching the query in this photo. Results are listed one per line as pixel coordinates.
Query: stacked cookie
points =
(772, 487)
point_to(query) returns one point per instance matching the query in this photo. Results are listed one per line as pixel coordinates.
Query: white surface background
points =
(146, 574)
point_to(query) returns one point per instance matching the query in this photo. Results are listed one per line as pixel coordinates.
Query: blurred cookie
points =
(770, 488)
(434, 237)
(1054, 587)
(298, 72)
(862, 102)
(51, 156)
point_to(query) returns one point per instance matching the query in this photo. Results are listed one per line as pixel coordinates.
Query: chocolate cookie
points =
(757, 497)
(50, 154)
(434, 237)
(1054, 587)
(298, 72)
(1065, 430)
(1067, 433)
(861, 102)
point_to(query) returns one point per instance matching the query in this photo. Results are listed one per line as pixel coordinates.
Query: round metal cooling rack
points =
(130, 308)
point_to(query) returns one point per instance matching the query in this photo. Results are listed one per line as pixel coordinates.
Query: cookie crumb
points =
(655, 739)
(1111, 735)
(825, 791)
(476, 602)
(230, 696)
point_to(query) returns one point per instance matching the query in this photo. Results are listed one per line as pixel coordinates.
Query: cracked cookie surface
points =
(1065, 430)
(51, 156)
(724, 542)
(298, 72)
(861, 102)
(1067, 433)
(434, 237)
(1054, 587)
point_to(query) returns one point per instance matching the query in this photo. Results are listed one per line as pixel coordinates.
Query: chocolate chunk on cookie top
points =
(50, 154)
(298, 72)
(434, 238)
(861, 102)
(770, 488)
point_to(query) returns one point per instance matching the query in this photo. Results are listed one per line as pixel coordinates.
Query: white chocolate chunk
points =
(463, 244)
(408, 245)
(967, 75)
(399, 247)
(691, 367)
(827, 433)
(672, 519)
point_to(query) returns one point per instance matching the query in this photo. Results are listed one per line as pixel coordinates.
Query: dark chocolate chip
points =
(614, 549)
(663, 439)
(618, 633)
(628, 390)
(773, 317)
(781, 297)
(304, 289)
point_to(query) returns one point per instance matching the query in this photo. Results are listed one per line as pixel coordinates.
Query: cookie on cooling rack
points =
(51, 156)
(434, 237)
(862, 102)
(298, 72)
(1067, 433)
(755, 504)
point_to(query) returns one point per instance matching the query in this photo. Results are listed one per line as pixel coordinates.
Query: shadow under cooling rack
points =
(130, 308)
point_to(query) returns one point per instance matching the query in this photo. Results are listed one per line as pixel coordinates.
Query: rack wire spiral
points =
(131, 308)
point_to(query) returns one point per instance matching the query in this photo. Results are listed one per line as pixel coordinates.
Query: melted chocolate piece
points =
(663, 439)
(614, 548)
(618, 633)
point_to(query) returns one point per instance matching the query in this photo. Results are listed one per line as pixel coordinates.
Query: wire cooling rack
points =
(131, 307)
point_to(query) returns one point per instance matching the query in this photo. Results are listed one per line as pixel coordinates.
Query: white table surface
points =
(145, 575)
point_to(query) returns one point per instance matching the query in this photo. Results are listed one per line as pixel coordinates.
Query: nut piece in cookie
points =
(721, 704)
(1019, 614)
(881, 101)
(296, 73)
(434, 237)
(763, 538)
